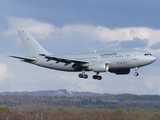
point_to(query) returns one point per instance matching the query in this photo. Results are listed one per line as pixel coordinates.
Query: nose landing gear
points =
(136, 71)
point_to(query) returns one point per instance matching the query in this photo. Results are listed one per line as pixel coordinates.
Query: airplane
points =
(118, 62)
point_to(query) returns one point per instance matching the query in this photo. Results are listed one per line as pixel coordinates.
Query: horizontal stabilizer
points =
(29, 60)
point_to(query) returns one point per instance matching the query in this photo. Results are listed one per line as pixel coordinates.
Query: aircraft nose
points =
(153, 59)
(149, 60)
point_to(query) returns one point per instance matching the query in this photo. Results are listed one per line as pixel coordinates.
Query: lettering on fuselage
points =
(123, 62)
(108, 54)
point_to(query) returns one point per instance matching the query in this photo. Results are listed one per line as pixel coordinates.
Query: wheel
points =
(94, 77)
(80, 75)
(85, 76)
(99, 77)
(136, 73)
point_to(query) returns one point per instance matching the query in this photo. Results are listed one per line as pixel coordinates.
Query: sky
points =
(78, 26)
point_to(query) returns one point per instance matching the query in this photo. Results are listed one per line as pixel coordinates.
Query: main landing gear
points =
(85, 76)
(97, 76)
(136, 71)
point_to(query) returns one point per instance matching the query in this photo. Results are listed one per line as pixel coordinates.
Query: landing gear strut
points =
(83, 75)
(136, 71)
(97, 76)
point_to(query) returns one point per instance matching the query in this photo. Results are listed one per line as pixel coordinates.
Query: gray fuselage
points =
(114, 59)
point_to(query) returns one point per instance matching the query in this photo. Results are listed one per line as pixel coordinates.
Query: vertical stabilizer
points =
(32, 47)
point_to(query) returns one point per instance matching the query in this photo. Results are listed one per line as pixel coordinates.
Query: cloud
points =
(4, 72)
(152, 83)
(40, 29)
(118, 34)
(82, 84)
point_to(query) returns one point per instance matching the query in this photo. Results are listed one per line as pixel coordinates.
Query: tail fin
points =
(32, 47)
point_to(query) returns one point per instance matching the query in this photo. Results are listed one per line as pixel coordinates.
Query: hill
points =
(63, 99)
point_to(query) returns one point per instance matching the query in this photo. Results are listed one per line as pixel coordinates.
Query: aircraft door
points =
(135, 55)
(98, 58)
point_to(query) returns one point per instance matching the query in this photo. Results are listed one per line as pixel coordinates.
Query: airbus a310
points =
(118, 62)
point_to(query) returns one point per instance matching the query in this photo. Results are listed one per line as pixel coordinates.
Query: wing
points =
(64, 60)
(29, 60)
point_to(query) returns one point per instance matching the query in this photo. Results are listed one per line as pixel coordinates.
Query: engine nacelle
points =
(99, 67)
(120, 71)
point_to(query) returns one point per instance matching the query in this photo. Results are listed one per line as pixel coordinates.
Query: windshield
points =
(147, 54)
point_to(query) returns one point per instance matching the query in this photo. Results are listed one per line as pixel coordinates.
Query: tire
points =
(99, 77)
(80, 75)
(136, 73)
(85, 76)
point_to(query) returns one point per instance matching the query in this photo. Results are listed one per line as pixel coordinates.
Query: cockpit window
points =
(148, 54)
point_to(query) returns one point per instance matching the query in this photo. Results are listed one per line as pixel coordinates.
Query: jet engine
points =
(99, 67)
(120, 71)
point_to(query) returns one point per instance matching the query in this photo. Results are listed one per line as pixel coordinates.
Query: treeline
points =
(74, 114)
(99, 101)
